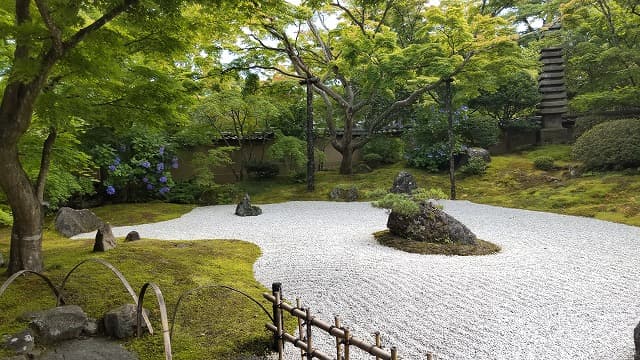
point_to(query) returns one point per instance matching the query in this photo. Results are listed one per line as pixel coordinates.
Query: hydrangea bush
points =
(137, 170)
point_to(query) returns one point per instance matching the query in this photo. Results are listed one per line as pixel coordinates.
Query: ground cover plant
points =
(427, 248)
(176, 266)
(510, 180)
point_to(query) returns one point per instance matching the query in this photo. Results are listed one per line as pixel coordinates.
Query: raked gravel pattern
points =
(563, 287)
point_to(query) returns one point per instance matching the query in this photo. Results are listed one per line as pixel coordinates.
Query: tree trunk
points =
(310, 143)
(452, 163)
(346, 148)
(26, 234)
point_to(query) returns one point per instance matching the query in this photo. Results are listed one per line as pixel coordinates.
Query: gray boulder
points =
(404, 183)
(342, 193)
(88, 349)
(58, 324)
(104, 239)
(476, 152)
(245, 208)
(21, 343)
(121, 322)
(91, 328)
(430, 225)
(70, 222)
(132, 236)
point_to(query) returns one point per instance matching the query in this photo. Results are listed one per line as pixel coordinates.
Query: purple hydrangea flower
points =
(174, 162)
(149, 186)
(163, 179)
(164, 190)
(111, 190)
(112, 168)
(145, 164)
(160, 167)
(145, 179)
(117, 160)
(161, 150)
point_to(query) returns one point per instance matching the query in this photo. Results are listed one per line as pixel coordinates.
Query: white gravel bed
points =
(563, 287)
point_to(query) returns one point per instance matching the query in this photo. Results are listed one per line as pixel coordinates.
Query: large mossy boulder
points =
(430, 224)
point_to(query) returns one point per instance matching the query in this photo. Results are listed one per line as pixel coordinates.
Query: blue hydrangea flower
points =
(117, 160)
(164, 190)
(145, 164)
(112, 168)
(160, 167)
(163, 179)
(145, 179)
(161, 150)
(111, 190)
(149, 186)
(174, 162)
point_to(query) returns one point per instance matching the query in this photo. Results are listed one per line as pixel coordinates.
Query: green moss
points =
(131, 214)
(420, 247)
(510, 181)
(211, 324)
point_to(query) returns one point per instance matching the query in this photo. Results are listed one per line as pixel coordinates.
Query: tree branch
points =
(54, 30)
(45, 163)
(351, 16)
(82, 33)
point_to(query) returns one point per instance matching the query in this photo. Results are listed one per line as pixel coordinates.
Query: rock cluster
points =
(404, 183)
(245, 208)
(341, 193)
(60, 329)
(430, 225)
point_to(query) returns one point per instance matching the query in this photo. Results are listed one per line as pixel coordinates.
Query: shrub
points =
(428, 194)
(290, 152)
(262, 169)
(398, 203)
(610, 145)
(375, 194)
(474, 166)
(428, 142)
(388, 149)
(479, 130)
(543, 163)
(373, 160)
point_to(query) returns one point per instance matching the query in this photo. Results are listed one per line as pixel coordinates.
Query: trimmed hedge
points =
(613, 145)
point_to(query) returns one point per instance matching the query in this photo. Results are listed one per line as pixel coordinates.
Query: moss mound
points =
(419, 247)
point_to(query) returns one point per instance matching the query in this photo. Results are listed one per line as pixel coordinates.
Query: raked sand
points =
(562, 287)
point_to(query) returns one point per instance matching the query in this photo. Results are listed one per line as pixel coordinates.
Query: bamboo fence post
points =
(347, 336)
(394, 353)
(378, 342)
(309, 340)
(276, 287)
(279, 331)
(300, 327)
(338, 341)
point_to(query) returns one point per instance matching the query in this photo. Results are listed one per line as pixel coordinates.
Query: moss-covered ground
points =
(510, 181)
(420, 247)
(212, 323)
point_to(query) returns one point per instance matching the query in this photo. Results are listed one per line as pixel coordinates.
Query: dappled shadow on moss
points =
(420, 247)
